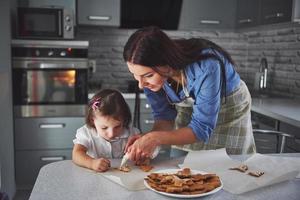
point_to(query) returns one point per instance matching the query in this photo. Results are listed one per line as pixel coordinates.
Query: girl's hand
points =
(130, 141)
(100, 165)
(142, 148)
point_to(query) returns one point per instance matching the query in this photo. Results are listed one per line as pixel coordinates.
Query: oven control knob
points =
(50, 53)
(63, 53)
(37, 53)
(68, 18)
(68, 28)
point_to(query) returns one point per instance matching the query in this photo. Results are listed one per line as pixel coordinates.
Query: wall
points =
(278, 43)
(106, 46)
(6, 122)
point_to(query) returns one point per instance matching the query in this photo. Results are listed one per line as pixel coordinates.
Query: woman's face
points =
(147, 77)
(108, 127)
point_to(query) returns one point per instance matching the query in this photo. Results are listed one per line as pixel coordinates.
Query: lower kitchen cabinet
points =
(46, 133)
(39, 141)
(292, 145)
(28, 164)
(146, 118)
(268, 143)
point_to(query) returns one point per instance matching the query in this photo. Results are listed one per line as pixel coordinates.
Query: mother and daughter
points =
(198, 102)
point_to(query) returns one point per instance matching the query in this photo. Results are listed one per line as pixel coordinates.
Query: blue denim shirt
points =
(203, 84)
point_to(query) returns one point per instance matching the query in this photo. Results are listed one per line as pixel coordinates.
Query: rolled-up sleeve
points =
(161, 108)
(207, 93)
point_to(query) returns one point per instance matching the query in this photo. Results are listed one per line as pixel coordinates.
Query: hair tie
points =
(95, 104)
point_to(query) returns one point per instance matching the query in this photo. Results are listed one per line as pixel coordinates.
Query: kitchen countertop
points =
(125, 95)
(65, 180)
(281, 109)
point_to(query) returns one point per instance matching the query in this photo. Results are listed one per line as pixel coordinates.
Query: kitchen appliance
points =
(45, 23)
(137, 14)
(49, 78)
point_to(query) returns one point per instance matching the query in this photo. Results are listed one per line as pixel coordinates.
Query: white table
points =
(64, 180)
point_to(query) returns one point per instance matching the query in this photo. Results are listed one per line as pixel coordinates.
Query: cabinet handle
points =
(99, 18)
(210, 22)
(52, 125)
(53, 158)
(244, 21)
(275, 15)
(147, 105)
(149, 121)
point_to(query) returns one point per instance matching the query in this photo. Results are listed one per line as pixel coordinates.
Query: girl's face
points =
(108, 127)
(147, 77)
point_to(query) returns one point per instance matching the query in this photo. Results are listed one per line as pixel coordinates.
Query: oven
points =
(49, 78)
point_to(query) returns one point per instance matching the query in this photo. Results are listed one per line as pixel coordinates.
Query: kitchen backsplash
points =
(280, 44)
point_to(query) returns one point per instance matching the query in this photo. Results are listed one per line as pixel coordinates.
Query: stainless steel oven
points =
(49, 78)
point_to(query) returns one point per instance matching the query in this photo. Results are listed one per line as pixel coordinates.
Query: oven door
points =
(50, 91)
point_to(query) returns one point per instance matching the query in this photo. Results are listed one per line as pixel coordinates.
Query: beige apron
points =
(233, 130)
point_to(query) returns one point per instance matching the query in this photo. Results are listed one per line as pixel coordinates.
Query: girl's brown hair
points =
(108, 102)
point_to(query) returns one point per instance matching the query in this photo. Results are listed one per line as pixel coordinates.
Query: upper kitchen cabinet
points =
(276, 11)
(208, 14)
(247, 13)
(99, 12)
(260, 12)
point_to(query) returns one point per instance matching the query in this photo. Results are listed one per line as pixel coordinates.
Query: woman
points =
(193, 79)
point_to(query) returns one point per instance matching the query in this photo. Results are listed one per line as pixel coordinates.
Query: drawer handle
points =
(99, 18)
(52, 125)
(210, 22)
(149, 121)
(54, 158)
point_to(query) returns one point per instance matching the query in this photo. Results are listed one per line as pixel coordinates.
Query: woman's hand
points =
(100, 165)
(130, 141)
(142, 148)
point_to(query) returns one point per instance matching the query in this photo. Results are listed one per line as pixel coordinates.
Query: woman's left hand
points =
(142, 148)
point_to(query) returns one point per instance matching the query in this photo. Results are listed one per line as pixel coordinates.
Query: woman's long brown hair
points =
(151, 47)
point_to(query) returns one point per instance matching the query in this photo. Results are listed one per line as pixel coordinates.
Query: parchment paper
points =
(277, 169)
(134, 180)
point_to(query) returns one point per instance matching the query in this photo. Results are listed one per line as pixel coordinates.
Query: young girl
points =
(106, 131)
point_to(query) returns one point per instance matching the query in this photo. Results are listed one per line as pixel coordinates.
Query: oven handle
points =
(55, 66)
(62, 125)
(52, 158)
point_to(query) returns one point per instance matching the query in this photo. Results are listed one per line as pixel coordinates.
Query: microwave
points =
(45, 23)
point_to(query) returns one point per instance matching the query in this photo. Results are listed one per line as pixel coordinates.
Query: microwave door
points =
(60, 24)
(40, 23)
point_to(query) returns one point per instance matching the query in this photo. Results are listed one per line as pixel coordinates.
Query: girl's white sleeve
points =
(82, 137)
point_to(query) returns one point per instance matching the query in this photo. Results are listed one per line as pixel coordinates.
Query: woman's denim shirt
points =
(204, 86)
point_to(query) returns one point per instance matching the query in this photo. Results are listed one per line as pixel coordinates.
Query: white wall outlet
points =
(92, 65)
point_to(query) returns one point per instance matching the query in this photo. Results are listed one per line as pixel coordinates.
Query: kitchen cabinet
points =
(247, 13)
(267, 143)
(209, 14)
(291, 145)
(39, 141)
(264, 143)
(146, 118)
(276, 11)
(99, 12)
(260, 12)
